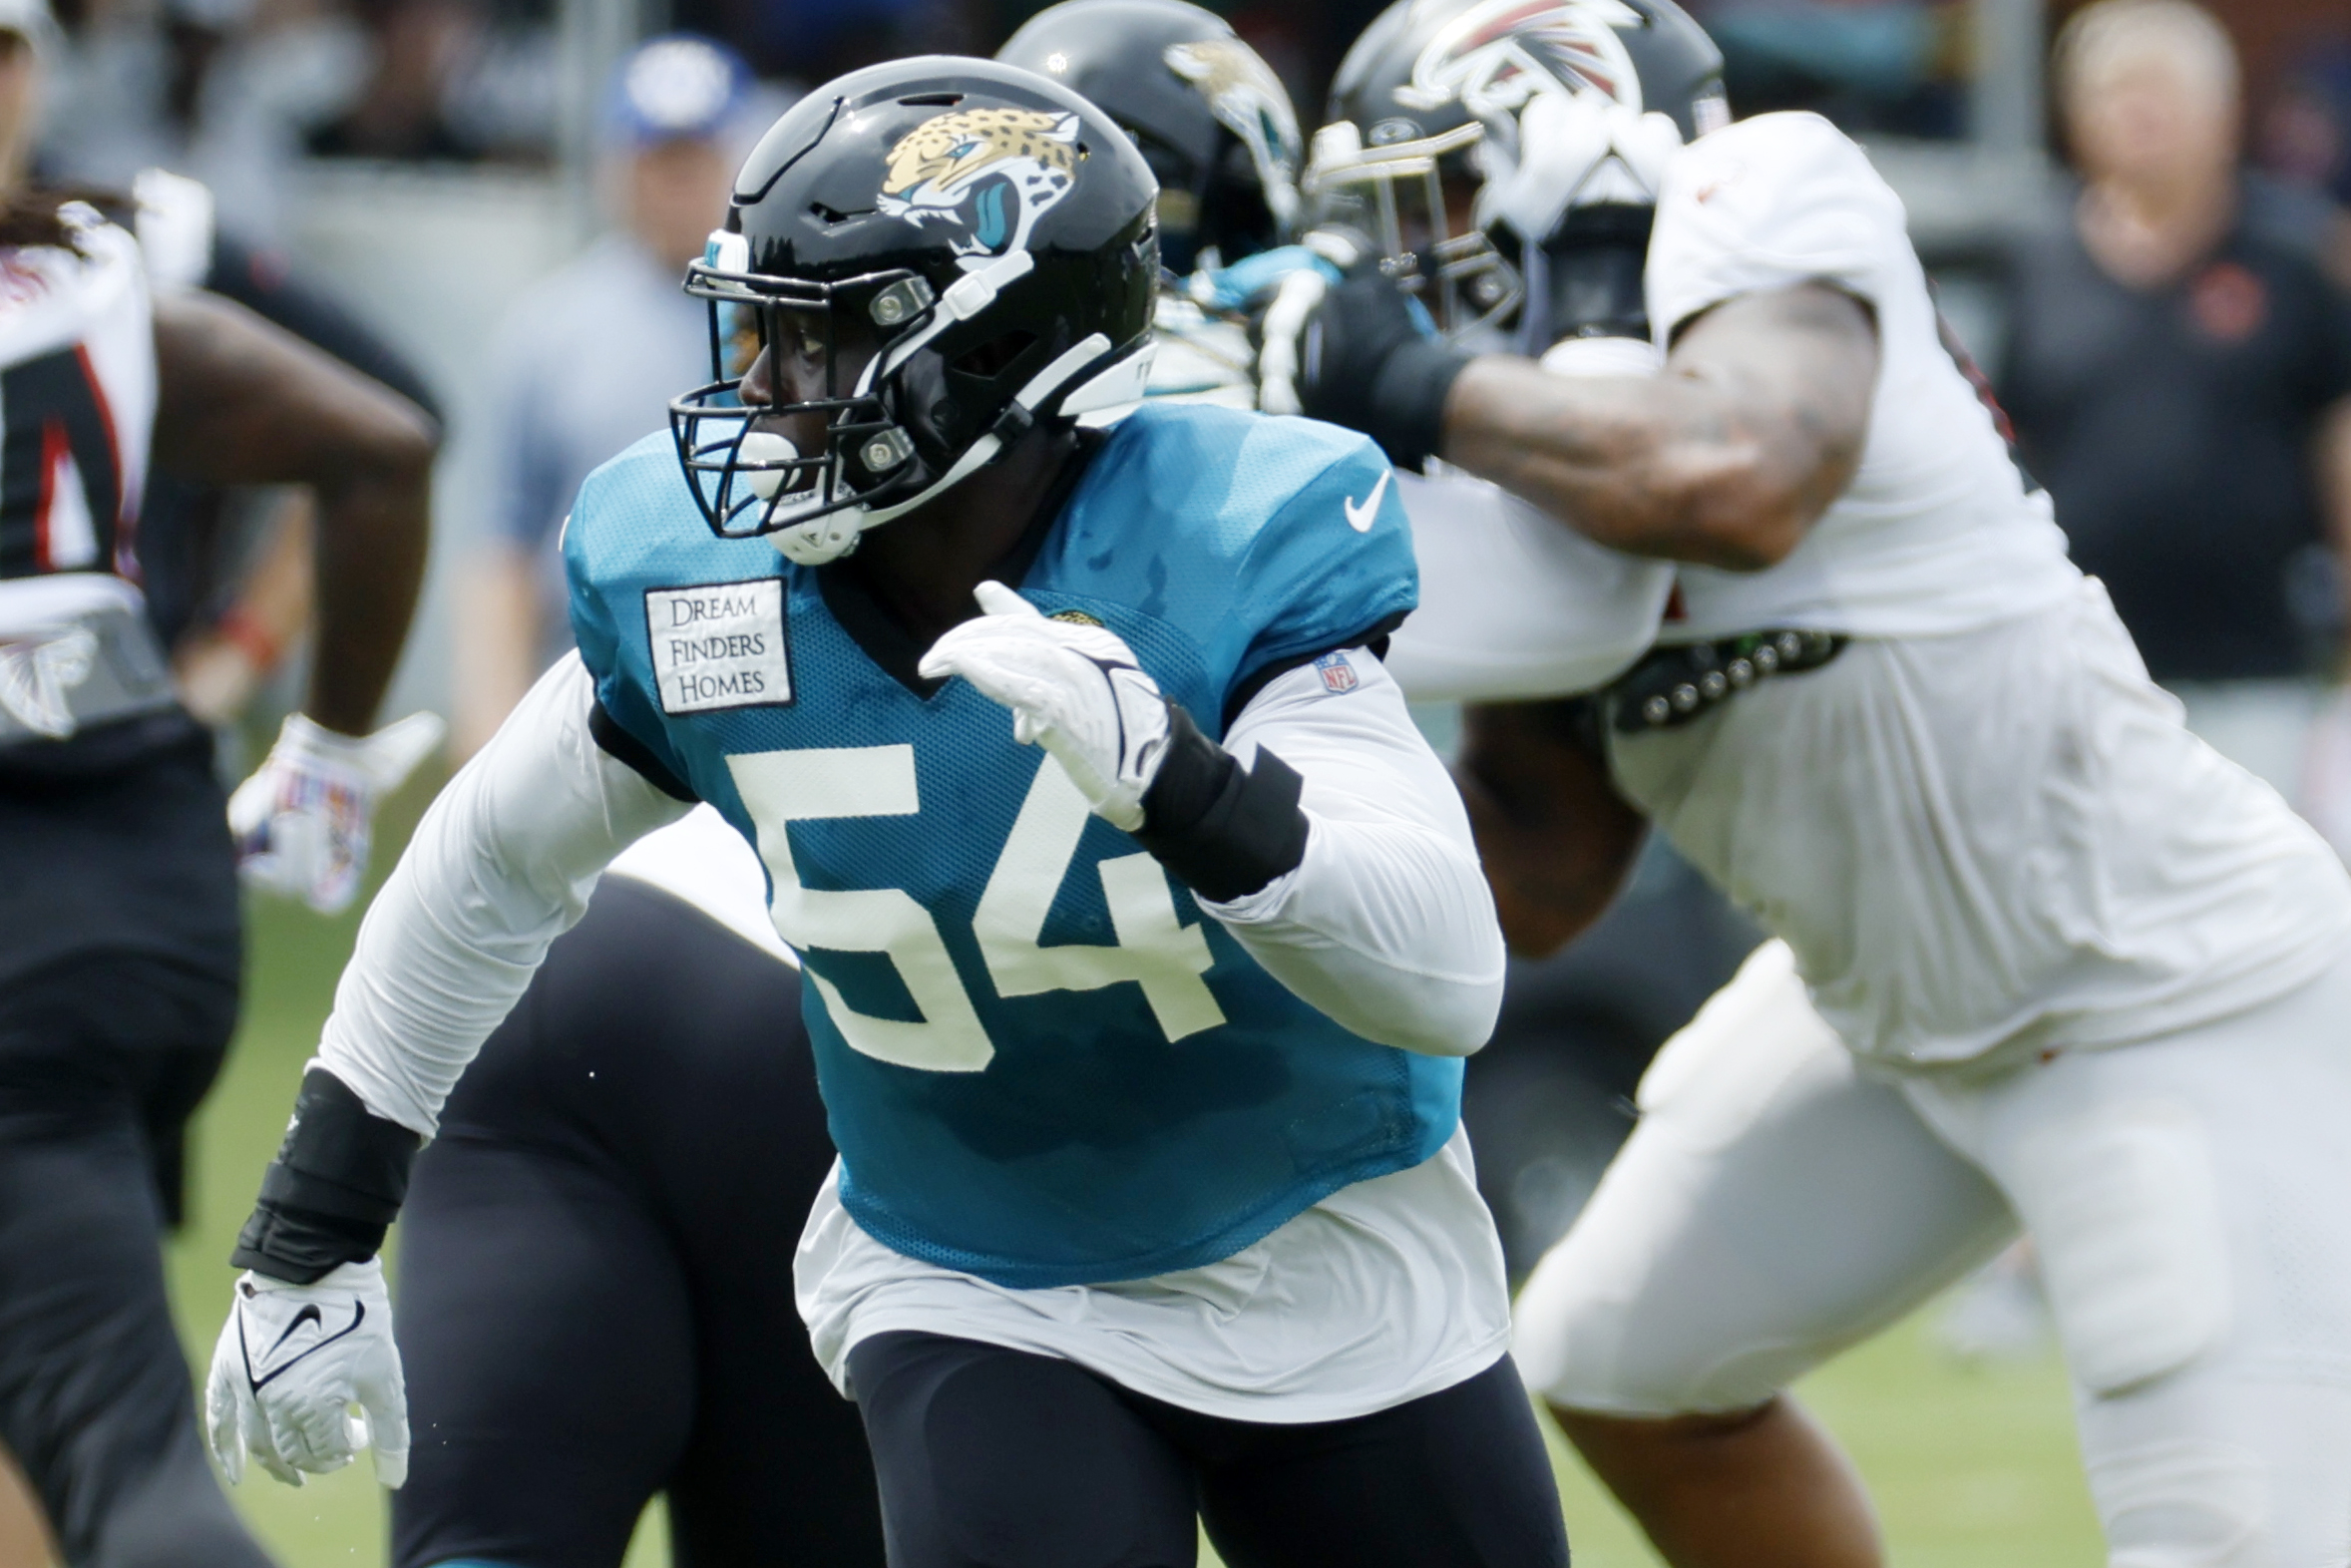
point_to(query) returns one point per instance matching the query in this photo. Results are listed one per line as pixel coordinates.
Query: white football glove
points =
(1074, 689)
(303, 820)
(1573, 151)
(306, 1375)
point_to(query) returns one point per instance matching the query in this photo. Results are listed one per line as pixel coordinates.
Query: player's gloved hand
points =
(1281, 329)
(1073, 689)
(1367, 361)
(1578, 150)
(293, 1365)
(303, 820)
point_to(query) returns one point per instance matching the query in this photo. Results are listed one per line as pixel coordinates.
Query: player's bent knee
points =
(2185, 1504)
(1601, 1351)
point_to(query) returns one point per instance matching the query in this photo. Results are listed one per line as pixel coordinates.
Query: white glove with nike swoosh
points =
(303, 820)
(306, 1375)
(1073, 688)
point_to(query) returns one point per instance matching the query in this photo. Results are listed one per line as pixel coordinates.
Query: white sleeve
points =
(1514, 604)
(1779, 199)
(1387, 926)
(500, 866)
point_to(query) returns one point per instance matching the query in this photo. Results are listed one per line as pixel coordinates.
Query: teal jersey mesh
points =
(1041, 1064)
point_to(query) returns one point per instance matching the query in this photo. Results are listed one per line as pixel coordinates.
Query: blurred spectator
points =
(2177, 370)
(2306, 131)
(816, 40)
(589, 361)
(2306, 144)
(223, 90)
(445, 85)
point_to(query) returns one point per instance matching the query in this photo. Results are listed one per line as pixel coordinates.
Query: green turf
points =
(1969, 1464)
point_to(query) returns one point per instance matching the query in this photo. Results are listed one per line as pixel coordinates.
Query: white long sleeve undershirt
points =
(500, 866)
(1387, 925)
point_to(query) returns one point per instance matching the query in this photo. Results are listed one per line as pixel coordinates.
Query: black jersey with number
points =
(2173, 427)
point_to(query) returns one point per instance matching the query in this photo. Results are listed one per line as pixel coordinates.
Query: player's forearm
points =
(1385, 925)
(502, 865)
(242, 402)
(1753, 430)
(1663, 467)
(373, 525)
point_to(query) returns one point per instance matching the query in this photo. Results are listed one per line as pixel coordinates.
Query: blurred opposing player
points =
(119, 963)
(1514, 610)
(1140, 1216)
(2072, 969)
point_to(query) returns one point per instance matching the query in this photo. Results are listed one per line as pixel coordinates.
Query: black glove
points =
(1365, 364)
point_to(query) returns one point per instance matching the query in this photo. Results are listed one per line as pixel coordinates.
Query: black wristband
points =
(1225, 831)
(1407, 403)
(337, 1185)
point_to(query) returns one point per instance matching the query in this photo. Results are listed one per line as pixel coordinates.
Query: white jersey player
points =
(120, 950)
(2045, 960)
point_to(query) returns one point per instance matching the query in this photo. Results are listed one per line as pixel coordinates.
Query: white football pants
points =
(2190, 1198)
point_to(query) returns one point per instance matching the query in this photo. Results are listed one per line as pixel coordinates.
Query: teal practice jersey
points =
(1041, 1064)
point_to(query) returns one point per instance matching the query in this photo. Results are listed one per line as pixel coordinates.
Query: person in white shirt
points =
(2044, 959)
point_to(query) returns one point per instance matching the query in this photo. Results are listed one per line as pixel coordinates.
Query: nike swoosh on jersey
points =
(1360, 517)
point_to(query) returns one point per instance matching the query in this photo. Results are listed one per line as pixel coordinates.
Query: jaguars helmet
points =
(1211, 118)
(1426, 110)
(954, 250)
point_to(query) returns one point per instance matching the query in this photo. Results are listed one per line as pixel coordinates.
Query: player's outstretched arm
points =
(242, 402)
(1726, 458)
(1323, 834)
(500, 866)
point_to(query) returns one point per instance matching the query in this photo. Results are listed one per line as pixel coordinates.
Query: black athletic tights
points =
(595, 1270)
(119, 958)
(997, 1458)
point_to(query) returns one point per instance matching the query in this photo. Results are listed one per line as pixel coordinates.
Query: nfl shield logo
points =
(1337, 674)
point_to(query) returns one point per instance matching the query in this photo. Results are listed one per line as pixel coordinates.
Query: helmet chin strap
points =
(819, 539)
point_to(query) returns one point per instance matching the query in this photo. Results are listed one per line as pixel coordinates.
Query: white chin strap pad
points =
(826, 539)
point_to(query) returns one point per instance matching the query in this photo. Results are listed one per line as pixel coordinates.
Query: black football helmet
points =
(1211, 118)
(955, 249)
(1426, 106)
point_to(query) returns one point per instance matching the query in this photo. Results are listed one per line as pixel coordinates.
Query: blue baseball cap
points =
(677, 86)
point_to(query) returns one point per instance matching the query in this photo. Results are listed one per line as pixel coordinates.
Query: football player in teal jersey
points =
(1139, 1008)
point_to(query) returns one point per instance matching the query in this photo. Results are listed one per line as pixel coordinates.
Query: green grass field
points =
(1970, 1465)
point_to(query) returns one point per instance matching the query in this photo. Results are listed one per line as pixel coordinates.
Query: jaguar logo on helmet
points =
(1498, 55)
(991, 172)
